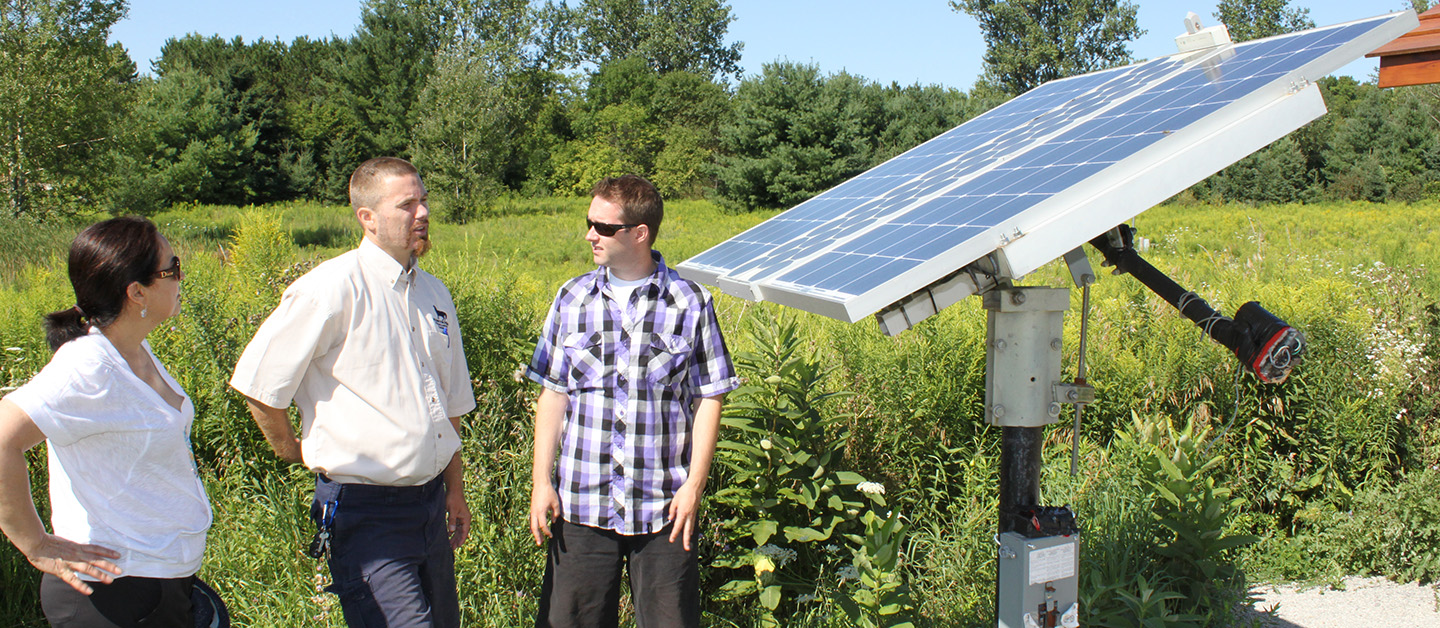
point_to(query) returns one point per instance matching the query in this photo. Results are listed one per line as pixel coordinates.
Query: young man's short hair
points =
(639, 201)
(365, 182)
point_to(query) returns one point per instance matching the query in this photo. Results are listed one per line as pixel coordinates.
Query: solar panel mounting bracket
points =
(978, 277)
(1211, 37)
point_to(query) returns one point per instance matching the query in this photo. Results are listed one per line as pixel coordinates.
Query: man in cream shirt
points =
(368, 347)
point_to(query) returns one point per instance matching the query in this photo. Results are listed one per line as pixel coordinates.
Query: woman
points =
(128, 509)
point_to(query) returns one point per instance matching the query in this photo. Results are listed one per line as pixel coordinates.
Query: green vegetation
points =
(1193, 481)
(1031, 42)
(514, 99)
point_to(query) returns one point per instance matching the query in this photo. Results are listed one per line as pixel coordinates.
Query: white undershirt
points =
(621, 289)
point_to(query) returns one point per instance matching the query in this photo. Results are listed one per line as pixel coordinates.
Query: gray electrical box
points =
(1038, 584)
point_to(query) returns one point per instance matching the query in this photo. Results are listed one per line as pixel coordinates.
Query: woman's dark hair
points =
(104, 259)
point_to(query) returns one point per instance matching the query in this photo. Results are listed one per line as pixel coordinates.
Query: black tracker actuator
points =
(1266, 345)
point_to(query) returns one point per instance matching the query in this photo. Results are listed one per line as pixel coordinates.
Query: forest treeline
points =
(495, 98)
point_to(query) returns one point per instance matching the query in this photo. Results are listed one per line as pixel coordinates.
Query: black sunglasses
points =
(172, 271)
(606, 229)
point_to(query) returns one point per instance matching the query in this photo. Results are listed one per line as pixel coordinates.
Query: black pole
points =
(1020, 459)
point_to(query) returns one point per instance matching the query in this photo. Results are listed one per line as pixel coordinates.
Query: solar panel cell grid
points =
(956, 190)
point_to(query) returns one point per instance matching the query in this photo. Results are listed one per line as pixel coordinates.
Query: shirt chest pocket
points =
(585, 357)
(438, 333)
(667, 360)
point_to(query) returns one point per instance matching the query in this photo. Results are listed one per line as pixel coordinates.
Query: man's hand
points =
(457, 511)
(544, 508)
(66, 560)
(685, 510)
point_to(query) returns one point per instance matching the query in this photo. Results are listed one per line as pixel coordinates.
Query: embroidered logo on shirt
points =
(442, 323)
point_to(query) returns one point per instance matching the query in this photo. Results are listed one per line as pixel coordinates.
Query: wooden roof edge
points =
(1408, 45)
(1424, 38)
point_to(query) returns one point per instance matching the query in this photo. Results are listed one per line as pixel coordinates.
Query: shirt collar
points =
(378, 261)
(659, 278)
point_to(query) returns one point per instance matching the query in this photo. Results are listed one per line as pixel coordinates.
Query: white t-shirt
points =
(122, 474)
(371, 354)
(620, 290)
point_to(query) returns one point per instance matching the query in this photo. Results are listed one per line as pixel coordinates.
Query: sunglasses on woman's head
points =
(606, 229)
(173, 270)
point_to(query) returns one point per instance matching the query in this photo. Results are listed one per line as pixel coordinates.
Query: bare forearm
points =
(455, 471)
(549, 414)
(705, 435)
(274, 423)
(18, 518)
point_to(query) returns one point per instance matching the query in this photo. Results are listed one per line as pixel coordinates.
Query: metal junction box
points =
(1038, 584)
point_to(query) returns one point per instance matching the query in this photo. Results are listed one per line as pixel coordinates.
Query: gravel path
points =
(1363, 603)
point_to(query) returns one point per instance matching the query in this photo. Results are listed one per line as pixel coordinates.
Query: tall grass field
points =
(1194, 479)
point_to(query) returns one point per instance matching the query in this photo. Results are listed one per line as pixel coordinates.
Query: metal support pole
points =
(1037, 583)
(1020, 458)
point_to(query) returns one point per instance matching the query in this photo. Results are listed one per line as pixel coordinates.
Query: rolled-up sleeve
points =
(547, 364)
(711, 372)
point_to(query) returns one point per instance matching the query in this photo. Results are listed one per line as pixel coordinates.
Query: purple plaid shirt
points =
(625, 442)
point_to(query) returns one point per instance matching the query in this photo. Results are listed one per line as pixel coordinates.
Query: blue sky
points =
(905, 41)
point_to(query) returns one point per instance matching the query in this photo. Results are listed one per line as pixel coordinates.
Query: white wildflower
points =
(781, 555)
(874, 488)
(849, 572)
(805, 597)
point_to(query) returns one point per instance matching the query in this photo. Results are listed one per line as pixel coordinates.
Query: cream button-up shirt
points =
(370, 353)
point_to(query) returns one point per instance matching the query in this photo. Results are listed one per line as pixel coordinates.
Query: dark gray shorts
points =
(128, 602)
(390, 557)
(582, 579)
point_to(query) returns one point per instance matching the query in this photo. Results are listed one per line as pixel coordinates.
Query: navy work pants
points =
(390, 557)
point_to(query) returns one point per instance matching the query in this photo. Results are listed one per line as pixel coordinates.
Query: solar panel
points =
(1033, 178)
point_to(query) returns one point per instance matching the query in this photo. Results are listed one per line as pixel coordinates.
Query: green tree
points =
(488, 112)
(61, 89)
(184, 141)
(389, 59)
(1254, 19)
(465, 129)
(1386, 148)
(1030, 42)
(794, 133)
(252, 92)
(634, 119)
(669, 35)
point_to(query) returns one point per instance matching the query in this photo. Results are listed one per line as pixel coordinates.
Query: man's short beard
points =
(422, 247)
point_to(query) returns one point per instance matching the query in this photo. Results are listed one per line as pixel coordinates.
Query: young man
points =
(634, 371)
(368, 347)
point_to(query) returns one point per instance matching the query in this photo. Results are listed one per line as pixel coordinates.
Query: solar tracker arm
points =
(1268, 346)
